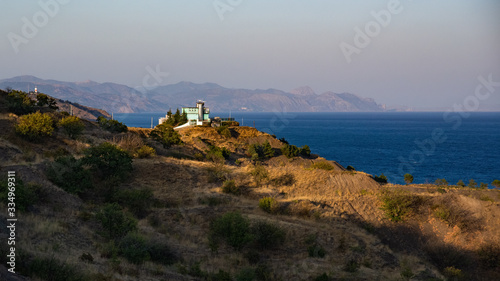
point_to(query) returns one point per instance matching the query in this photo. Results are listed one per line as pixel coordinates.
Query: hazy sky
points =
(429, 53)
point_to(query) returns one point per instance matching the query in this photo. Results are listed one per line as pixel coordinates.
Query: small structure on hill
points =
(198, 115)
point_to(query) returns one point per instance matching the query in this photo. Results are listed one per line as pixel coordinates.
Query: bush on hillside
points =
(224, 131)
(146, 151)
(166, 135)
(217, 154)
(381, 179)
(72, 126)
(111, 125)
(408, 178)
(35, 126)
(107, 160)
(69, 174)
(259, 152)
(259, 174)
(460, 183)
(323, 165)
(267, 235)
(231, 227)
(269, 205)
(305, 151)
(44, 100)
(441, 182)
(230, 187)
(290, 151)
(19, 103)
(496, 183)
(134, 248)
(398, 204)
(115, 222)
(26, 195)
(137, 201)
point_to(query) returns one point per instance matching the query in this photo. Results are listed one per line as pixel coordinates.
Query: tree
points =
(69, 174)
(115, 222)
(19, 102)
(44, 100)
(408, 178)
(305, 151)
(166, 135)
(381, 179)
(72, 126)
(35, 125)
(290, 150)
(472, 183)
(441, 182)
(268, 150)
(483, 185)
(259, 174)
(107, 160)
(461, 183)
(112, 125)
(496, 183)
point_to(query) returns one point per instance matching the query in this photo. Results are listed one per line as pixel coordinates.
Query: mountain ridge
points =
(120, 98)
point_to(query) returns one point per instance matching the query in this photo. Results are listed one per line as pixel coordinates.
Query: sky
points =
(424, 53)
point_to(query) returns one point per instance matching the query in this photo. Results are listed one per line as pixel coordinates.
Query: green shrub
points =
(267, 235)
(115, 222)
(26, 195)
(217, 154)
(323, 165)
(69, 174)
(224, 131)
(259, 174)
(72, 126)
(111, 125)
(442, 182)
(316, 251)
(134, 248)
(52, 269)
(19, 102)
(229, 186)
(44, 100)
(138, 201)
(107, 160)
(269, 205)
(461, 183)
(166, 135)
(260, 152)
(305, 151)
(453, 273)
(380, 179)
(398, 204)
(496, 183)
(454, 215)
(322, 277)
(483, 185)
(35, 126)
(146, 151)
(267, 150)
(408, 178)
(246, 274)
(290, 151)
(231, 227)
(350, 168)
(160, 252)
(472, 183)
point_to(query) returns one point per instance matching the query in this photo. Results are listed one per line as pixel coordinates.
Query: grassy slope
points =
(341, 208)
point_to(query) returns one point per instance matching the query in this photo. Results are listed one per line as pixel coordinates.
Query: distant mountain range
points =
(119, 98)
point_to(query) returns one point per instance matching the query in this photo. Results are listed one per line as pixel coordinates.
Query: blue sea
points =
(428, 145)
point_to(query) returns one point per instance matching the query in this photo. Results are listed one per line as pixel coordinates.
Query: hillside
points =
(120, 98)
(187, 212)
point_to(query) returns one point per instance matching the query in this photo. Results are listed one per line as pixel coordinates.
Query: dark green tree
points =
(268, 150)
(166, 135)
(461, 183)
(290, 150)
(19, 102)
(305, 151)
(115, 222)
(44, 100)
(107, 160)
(472, 183)
(408, 178)
(496, 183)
